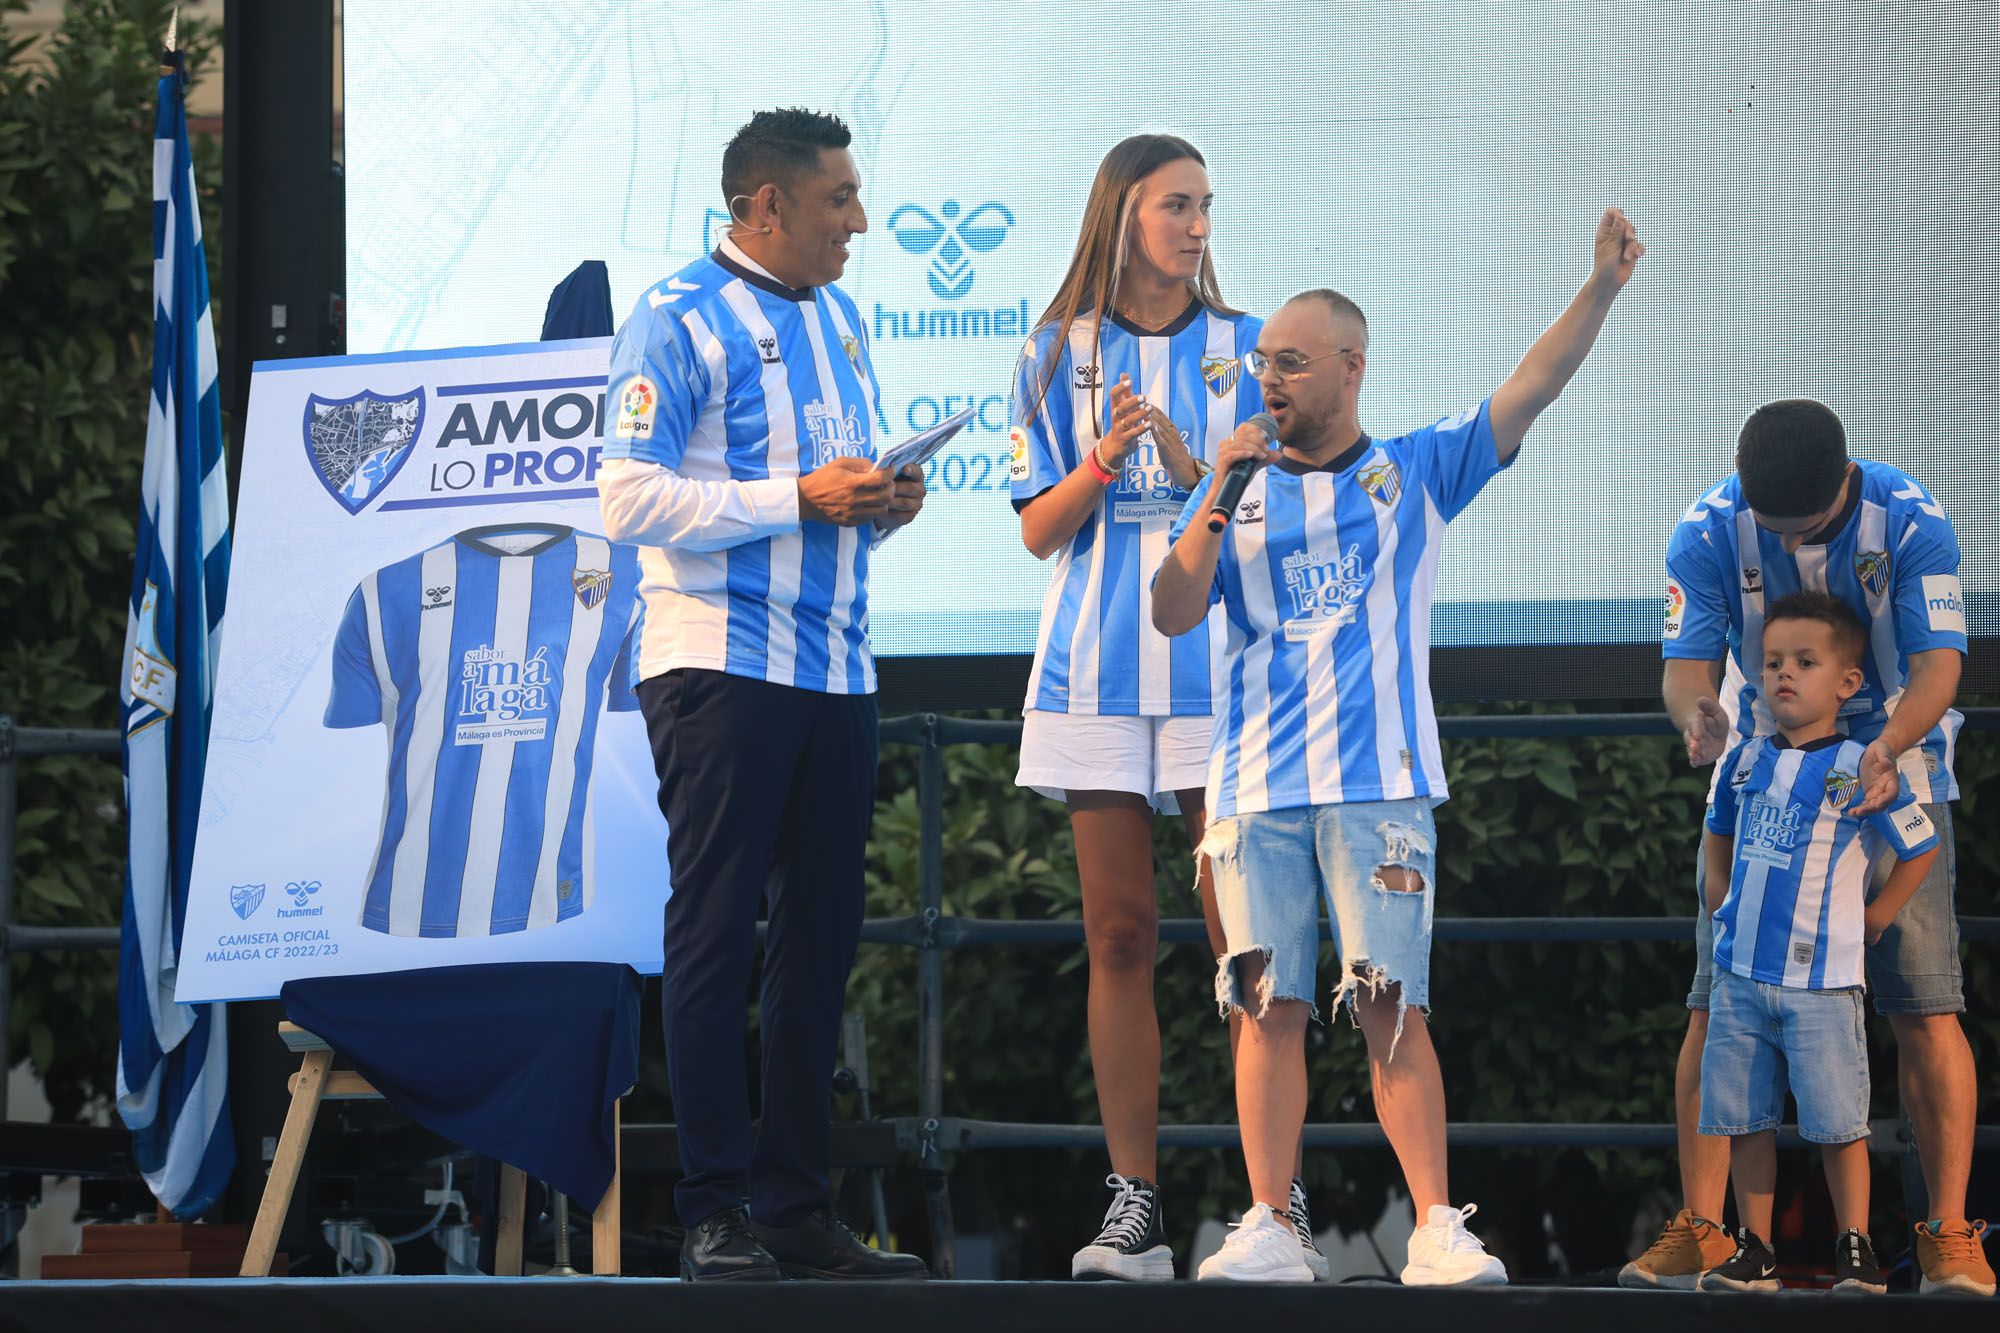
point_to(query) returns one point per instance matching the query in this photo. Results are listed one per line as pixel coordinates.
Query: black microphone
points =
(1238, 477)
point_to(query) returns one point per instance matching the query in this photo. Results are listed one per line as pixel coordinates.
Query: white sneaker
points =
(1302, 1224)
(1444, 1254)
(1261, 1248)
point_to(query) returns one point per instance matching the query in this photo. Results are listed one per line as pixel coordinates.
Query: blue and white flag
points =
(173, 1059)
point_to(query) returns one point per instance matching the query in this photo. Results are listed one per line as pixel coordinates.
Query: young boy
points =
(1787, 881)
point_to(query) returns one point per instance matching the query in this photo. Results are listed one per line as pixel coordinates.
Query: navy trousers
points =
(768, 792)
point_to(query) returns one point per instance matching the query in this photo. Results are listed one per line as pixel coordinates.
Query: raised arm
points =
(1554, 359)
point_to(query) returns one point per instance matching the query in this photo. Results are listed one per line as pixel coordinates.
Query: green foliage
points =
(1542, 1032)
(1526, 1032)
(76, 280)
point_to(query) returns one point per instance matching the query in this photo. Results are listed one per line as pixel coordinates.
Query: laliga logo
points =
(920, 232)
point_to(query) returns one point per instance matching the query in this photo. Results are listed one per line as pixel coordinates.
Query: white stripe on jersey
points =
(1749, 915)
(496, 761)
(1155, 649)
(392, 699)
(845, 538)
(781, 644)
(1051, 603)
(427, 738)
(1872, 536)
(696, 622)
(1260, 596)
(1812, 889)
(1423, 588)
(586, 630)
(847, 331)
(1222, 410)
(1322, 684)
(1083, 643)
(1398, 779)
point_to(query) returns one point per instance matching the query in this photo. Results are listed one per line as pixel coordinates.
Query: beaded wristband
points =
(1097, 468)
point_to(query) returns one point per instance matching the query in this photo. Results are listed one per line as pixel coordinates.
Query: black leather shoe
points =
(721, 1248)
(822, 1246)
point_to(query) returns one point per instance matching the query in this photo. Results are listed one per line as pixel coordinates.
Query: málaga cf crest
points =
(357, 445)
(1220, 372)
(1872, 568)
(1840, 788)
(245, 899)
(1383, 481)
(591, 585)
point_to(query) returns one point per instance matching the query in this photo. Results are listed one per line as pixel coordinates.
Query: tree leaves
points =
(76, 162)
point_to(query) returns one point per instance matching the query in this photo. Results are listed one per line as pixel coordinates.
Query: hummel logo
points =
(1250, 511)
(436, 599)
(1089, 377)
(767, 349)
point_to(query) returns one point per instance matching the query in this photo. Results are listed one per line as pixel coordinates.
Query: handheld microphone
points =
(1238, 477)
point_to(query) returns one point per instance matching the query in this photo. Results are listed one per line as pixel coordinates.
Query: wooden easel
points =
(317, 1081)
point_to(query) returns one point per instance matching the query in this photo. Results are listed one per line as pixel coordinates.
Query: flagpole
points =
(172, 1084)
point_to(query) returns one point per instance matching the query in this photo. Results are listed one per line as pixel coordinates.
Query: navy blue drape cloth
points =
(521, 1061)
(580, 306)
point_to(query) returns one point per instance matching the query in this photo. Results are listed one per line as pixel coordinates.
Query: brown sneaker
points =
(1688, 1247)
(1952, 1257)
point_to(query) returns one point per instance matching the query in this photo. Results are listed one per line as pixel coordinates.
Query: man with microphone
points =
(1325, 763)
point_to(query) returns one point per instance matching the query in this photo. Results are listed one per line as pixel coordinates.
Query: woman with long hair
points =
(1131, 380)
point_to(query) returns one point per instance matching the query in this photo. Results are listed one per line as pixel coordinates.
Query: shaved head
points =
(1351, 325)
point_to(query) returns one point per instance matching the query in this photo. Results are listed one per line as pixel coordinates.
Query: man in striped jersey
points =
(1325, 763)
(490, 658)
(742, 461)
(1799, 514)
(1788, 853)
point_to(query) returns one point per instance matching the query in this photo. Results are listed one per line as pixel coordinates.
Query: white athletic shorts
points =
(1153, 757)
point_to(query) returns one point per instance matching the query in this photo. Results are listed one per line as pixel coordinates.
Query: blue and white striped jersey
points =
(1326, 579)
(1894, 559)
(489, 658)
(1793, 915)
(1097, 650)
(735, 382)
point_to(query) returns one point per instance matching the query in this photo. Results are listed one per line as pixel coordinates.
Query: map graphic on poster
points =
(425, 748)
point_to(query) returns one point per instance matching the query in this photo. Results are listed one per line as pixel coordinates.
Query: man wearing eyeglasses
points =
(1325, 763)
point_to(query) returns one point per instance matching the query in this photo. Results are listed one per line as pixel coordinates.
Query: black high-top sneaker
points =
(1752, 1268)
(1855, 1272)
(1132, 1247)
(1302, 1223)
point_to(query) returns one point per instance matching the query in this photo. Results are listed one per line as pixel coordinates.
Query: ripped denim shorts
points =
(1271, 869)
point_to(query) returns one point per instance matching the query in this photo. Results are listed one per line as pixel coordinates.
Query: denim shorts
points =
(1913, 968)
(1273, 868)
(1760, 1037)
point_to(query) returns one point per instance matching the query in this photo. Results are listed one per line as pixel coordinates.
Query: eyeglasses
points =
(1287, 363)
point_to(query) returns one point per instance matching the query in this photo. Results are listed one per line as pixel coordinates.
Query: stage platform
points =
(495, 1305)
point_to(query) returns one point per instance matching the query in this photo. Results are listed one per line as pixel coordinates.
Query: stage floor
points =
(491, 1305)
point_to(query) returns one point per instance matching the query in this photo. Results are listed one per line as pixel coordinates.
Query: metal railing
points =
(930, 1133)
(16, 744)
